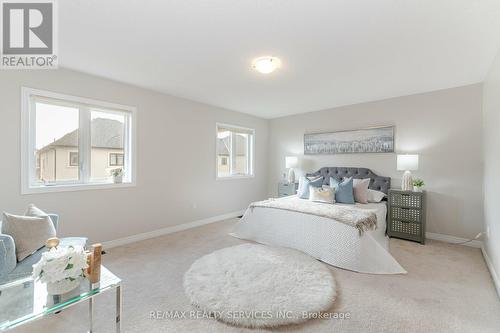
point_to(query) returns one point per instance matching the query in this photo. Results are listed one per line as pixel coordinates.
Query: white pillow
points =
(324, 194)
(375, 196)
(29, 232)
(360, 189)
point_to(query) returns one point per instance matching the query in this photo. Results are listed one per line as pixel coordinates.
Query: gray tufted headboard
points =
(378, 183)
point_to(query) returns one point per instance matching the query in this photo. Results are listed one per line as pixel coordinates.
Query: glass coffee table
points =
(23, 301)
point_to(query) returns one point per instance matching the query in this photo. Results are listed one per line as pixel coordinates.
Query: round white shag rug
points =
(260, 286)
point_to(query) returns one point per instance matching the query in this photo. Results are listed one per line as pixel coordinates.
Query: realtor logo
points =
(28, 34)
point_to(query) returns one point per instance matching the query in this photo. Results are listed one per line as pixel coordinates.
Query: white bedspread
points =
(328, 240)
(361, 219)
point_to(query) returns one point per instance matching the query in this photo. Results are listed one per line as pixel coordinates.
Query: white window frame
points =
(250, 147)
(28, 156)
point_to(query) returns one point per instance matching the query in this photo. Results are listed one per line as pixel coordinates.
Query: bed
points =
(324, 238)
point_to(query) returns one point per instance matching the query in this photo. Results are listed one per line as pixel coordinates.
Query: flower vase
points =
(417, 189)
(118, 179)
(62, 287)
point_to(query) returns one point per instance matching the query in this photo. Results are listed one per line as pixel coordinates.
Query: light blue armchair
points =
(10, 269)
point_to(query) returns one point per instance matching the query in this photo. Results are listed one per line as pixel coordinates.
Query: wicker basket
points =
(406, 199)
(406, 214)
(407, 228)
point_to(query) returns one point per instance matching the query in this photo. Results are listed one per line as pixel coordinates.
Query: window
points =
(73, 143)
(235, 151)
(73, 158)
(115, 159)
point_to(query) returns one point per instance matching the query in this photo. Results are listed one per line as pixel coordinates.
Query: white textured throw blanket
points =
(352, 216)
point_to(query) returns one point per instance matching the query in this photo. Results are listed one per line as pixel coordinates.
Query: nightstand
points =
(406, 215)
(287, 189)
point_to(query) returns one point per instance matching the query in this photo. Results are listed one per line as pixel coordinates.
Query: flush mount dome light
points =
(266, 65)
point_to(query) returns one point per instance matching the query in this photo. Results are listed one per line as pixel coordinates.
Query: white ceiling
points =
(334, 52)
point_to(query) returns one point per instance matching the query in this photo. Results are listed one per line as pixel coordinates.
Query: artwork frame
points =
(379, 139)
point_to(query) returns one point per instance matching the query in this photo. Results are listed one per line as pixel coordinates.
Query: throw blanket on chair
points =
(353, 216)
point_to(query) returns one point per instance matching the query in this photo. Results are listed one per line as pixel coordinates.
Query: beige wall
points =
(100, 162)
(54, 163)
(176, 173)
(47, 162)
(491, 114)
(443, 127)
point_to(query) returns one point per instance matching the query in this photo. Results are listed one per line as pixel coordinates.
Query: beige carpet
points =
(447, 289)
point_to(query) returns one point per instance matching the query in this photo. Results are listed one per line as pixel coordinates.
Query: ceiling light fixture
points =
(266, 65)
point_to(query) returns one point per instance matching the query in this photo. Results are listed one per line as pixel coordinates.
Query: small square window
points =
(115, 159)
(73, 158)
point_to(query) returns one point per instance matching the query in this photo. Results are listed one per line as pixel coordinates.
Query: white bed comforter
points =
(323, 238)
(361, 219)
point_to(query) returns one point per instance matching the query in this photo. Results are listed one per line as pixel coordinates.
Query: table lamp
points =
(290, 163)
(407, 163)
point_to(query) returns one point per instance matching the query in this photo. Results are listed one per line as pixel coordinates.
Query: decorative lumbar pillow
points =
(306, 182)
(29, 232)
(344, 192)
(360, 187)
(375, 196)
(323, 194)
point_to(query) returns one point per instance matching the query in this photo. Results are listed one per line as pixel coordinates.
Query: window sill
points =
(234, 177)
(75, 187)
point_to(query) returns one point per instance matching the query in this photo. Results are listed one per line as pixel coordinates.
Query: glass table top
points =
(25, 300)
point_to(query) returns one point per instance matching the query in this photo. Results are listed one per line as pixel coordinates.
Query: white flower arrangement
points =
(117, 172)
(61, 263)
(117, 175)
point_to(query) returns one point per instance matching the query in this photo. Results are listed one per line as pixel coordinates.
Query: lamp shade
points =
(407, 162)
(291, 161)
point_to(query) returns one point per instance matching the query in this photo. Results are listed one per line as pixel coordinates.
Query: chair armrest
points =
(8, 260)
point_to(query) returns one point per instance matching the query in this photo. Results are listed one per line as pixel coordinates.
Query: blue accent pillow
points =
(344, 192)
(304, 190)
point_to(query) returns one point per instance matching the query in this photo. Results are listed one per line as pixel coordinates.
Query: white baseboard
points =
(494, 275)
(169, 230)
(453, 240)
